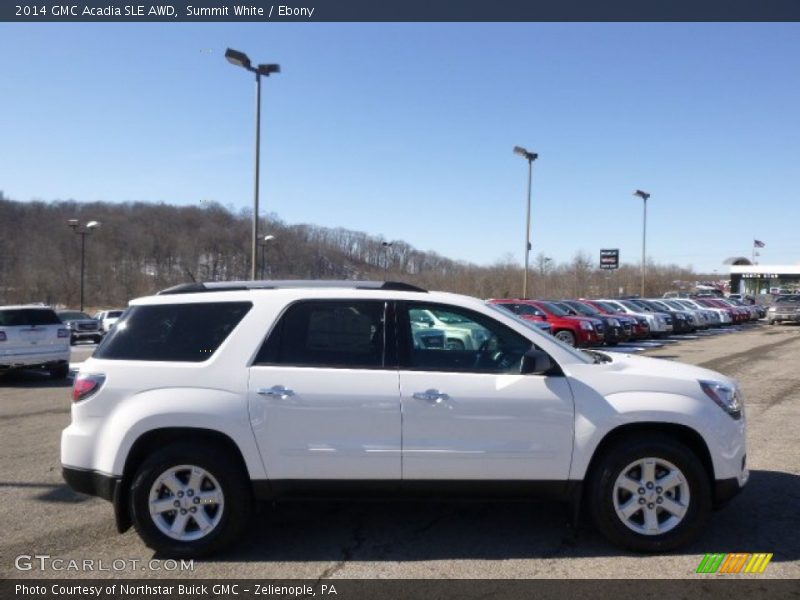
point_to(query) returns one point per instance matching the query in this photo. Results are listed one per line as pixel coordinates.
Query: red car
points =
(577, 331)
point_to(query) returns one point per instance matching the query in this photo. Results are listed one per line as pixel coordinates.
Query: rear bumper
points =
(92, 483)
(51, 357)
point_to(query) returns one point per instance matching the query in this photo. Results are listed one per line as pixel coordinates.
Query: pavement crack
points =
(347, 552)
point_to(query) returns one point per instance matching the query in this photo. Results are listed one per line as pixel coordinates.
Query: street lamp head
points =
(643, 195)
(72, 223)
(386, 244)
(237, 58)
(529, 156)
(267, 238)
(92, 224)
(266, 70)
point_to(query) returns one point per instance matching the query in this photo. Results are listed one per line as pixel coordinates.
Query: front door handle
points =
(434, 396)
(276, 391)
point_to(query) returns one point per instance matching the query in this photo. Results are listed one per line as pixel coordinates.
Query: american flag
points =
(758, 244)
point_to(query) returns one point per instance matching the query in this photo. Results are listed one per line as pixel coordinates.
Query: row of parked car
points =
(584, 322)
(36, 336)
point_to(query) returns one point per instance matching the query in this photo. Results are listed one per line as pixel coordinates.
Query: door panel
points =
(323, 405)
(486, 426)
(326, 423)
(469, 414)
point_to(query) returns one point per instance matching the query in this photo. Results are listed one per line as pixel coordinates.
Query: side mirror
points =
(535, 362)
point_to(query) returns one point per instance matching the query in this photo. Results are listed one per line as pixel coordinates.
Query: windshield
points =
(449, 318)
(611, 307)
(555, 309)
(787, 300)
(579, 355)
(584, 309)
(73, 315)
(113, 314)
(631, 305)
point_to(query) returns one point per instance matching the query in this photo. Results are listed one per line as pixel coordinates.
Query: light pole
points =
(83, 232)
(263, 243)
(644, 196)
(385, 246)
(240, 59)
(530, 157)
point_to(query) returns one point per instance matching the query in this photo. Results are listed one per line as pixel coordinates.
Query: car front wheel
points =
(650, 494)
(189, 501)
(566, 336)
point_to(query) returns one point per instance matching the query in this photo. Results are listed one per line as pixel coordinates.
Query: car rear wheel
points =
(650, 494)
(188, 500)
(565, 335)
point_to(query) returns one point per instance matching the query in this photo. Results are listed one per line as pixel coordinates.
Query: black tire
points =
(609, 467)
(565, 335)
(233, 483)
(60, 371)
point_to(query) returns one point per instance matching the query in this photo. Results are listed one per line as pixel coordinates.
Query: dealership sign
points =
(609, 259)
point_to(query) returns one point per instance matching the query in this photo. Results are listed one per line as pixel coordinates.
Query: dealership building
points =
(747, 278)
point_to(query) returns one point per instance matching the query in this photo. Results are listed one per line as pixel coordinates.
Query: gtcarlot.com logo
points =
(737, 562)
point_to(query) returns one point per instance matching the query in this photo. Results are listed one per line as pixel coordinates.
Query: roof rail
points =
(229, 286)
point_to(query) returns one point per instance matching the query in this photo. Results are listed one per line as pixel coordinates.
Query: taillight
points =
(63, 333)
(85, 385)
(2, 336)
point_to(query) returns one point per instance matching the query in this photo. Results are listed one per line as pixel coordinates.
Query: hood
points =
(629, 373)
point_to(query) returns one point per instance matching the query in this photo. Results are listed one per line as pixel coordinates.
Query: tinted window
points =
(787, 299)
(521, 309)
(73, 315)
(172, 332)
(338, 333)
(470, 342)
(17, 317)
(113, 313)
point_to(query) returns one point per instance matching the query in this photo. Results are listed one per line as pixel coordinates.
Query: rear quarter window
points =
(172, 332)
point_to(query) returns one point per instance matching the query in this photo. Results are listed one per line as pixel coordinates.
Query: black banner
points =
(700, 588)
(609, 259)
(402, 11)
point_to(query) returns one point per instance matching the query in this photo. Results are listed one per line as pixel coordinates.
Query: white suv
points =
(208, 397)
(33, 337)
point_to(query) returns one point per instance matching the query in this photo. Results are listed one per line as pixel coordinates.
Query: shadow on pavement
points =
(760, 519)
(32, 378)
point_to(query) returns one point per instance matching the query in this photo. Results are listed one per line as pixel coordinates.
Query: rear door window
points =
(328, 333)
(172, 332)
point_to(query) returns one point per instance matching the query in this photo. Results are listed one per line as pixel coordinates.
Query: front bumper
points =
(784, 317)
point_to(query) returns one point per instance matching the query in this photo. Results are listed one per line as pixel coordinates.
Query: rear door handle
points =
(434, 396)
(276, 391)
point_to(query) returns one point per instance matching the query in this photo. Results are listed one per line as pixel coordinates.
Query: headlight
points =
(613, 322)
(726, 397)
(680, 317)
(587, 326)
(771, 309)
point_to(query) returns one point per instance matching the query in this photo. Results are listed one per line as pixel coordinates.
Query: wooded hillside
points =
(142, 248)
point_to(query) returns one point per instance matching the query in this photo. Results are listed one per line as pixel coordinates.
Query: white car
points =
(208, 397)
(724, 316)
(33, 337)
(660, 324)
(107, 318)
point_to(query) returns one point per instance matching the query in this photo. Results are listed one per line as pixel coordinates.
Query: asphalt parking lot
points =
(40, 515)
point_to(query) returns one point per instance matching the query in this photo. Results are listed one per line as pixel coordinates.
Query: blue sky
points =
(407, 130)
